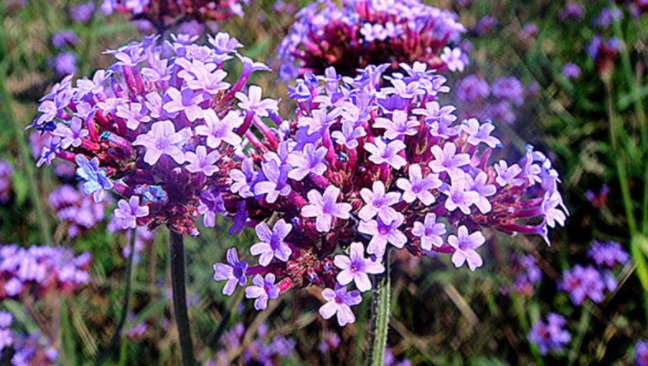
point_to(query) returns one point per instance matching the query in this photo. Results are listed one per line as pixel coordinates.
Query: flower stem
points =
(101, 358)
(178, 286)
(380, 318)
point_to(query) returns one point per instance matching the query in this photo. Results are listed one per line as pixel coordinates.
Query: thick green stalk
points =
(380, 318)
(101, 358)
(178, 286)
(25, 157)
(637, 242)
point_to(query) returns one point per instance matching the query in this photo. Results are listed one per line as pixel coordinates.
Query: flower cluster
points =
(38, 270)
(572, 10)
(5, 180)
(636, 7)
(527, 274)
(549, 335)
(75, 209)
(598, 200)
(497, 101)
(163, 13)
(641, 353)
(592, 282)
(370, 163)
(370, 32)
(158, 130)
(604, 53)
(258, 352)
(28, 349)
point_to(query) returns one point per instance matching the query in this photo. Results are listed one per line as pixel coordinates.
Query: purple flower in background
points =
(63, 39)
(325, 208)
(529, 30)
(572, 10)
(355, 268)
(82, 13)
(453, 59)
(63, 64)
(509, 88)
(129, 211)
(528, 276)
(272, 243)
(339, 302)
(378, 203)
(233, 272)
(5, 180)
(641, 353)
(608, 254)
(262, 290)
(484, 25)
(430, 232)
(585, 282)
(465, 245)
(571, 71)
(549, 335)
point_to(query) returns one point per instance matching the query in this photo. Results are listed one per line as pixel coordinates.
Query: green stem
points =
(637, 242)
(101, 358)
(178, 286)
(25, 157)
(215, 337)
(582, 329)
(380, 317)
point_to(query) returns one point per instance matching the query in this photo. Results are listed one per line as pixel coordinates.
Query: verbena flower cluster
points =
(258, 352)
(167, 11)
(641, 353)
(75, 209)
(38, 270)
(604, 53)
(599, 199)
(159, 127)
(26, 349)
(594, 281)
(370, 32)
(475, 98)
(64, 62)
(550, 335)
(6, 170)
(527, 274)
(367, 164)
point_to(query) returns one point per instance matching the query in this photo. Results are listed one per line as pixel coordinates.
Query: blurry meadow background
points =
(574, 96)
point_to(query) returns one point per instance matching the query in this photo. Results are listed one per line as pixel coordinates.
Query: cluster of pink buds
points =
(163, 13)
(370, 32)
(38, 270)
(369, 164)
(159, 127)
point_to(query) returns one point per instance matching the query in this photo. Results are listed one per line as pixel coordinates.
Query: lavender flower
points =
(233, 272)
(80, 213)
(608, 254)
(355, 268)
(571, 71)
(129, 211)
(378, 203)
(430, 232)
(339, 302)
(465, 245)
(585, 282)
(641, 353)
(262, 290)
(550, 335)
(417, 187)
(272, 244)
(5, 180)
(325, 208)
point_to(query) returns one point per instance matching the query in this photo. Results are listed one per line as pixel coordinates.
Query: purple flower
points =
(549, 336)
(129, 211)
(355, 268)
(276, 182)
(96, 182)
(306, 162)
(233, 272)
(65, 63)
(372, 32)
(480, 185)
(163, 139)
(378, 203)
(641, 353)
(383, 233)
(82, 13)
(262, 290)
(255, 104)
(186, 101)
(509, 88)
(459, 195)
(134, 114)
(453, 58)
(202, 162)
(508, 175)
(339, 302)
(417, 187)
(386, 153)
(242, 179)
(571, 71)
(398, 126)
(13, 287)
(607, 254)
(582, 282)
(218, 130)
(64, 38)
(430, 232)
(465, 245)
(325, 208)
(446, 159)
(272, 243)
(479, 133)
(72, 135)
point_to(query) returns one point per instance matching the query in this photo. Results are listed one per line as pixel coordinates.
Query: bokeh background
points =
(441, 315)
